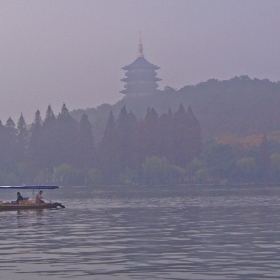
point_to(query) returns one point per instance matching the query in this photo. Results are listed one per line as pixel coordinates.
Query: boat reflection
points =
(29, 217)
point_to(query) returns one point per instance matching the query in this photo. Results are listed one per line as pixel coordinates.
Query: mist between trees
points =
(165, 149)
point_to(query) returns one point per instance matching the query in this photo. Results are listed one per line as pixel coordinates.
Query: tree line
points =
(240, 106)
(155, 149)
(59, 149)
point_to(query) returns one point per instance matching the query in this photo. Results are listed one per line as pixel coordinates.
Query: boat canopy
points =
(30, 187)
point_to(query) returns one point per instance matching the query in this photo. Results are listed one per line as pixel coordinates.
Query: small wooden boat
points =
(26, 204)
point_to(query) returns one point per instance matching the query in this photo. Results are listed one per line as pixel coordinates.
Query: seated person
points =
(39, 197)
(19, 197)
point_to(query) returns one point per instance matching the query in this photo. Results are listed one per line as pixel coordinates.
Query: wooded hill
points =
(240, 106)
(142, 141)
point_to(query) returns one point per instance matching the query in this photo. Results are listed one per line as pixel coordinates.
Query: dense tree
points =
(165, 135)
(108, 151)
(35, 148)
(263, 160)
(35, 160)
(86, 153)
(22, 135)
(49, 141)
(275, 167)
(158, 149)
(67, 131)
(124, 128)
(7, 145)
(151, 119)
(12, 147)
(186, 137)
(194, 135)
(67, 175)
(246, 169)
(219, 159)
(143, 138)
(157, 170)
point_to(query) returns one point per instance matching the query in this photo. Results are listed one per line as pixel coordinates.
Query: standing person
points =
(19, 197)
(39, 197)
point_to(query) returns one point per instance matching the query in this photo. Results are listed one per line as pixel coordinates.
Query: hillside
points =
(240, 106)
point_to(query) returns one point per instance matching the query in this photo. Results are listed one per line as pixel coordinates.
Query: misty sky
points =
(72, 51)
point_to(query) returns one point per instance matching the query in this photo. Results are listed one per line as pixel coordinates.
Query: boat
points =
(26, 204)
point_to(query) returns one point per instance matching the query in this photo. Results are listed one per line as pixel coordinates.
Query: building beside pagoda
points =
(141, 77)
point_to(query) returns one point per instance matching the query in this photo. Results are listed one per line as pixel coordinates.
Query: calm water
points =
(145, 233)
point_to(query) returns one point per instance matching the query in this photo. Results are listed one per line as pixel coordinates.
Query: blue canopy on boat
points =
(30, 187)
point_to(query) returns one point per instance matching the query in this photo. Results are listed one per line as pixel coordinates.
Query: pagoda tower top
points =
(141, 78)
(140, 54)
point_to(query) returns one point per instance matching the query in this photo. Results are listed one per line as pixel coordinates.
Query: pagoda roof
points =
(140, 62)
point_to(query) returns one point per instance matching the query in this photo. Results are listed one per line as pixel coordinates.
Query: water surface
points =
(145, 233)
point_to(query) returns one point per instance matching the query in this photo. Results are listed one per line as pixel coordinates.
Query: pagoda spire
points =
(140, 54)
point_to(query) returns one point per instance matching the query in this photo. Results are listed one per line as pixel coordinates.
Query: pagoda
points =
(141, 77)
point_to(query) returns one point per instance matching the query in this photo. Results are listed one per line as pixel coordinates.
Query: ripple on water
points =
(146, 233)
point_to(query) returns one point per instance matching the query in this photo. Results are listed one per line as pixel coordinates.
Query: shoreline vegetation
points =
(226, 144)
(228, 184)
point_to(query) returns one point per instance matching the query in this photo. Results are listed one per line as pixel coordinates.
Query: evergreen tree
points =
(22, 135)
(11, 146)
(8, 146)
(67, 130)
(152, 132)
(220, 161)
(10, 124)
(187, 141)
(165, 136)
(49, 141)
(264, 160)
(3, 146)
(86, 149)
(50, 117)
(124, 126)
(108, 151)
(35, 152)
(194, 135)
(144, 139)
(180, 145)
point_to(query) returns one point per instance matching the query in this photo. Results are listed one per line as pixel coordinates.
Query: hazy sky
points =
(72, 51)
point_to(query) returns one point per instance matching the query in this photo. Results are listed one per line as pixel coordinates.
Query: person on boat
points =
(39, 197)
(19, 197)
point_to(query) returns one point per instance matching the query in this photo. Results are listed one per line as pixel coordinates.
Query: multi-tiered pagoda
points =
(141, 77)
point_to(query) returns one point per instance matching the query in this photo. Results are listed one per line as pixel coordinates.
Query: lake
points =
(136, 232)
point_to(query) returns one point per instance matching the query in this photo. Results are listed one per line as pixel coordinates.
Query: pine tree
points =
(86, 149)
(67, 130)
(11, 152)
(3, 145)
(108, 151)
(10, 123)
(186, 137)
(22, 135)
(124, 126)
(49, 140)
(140, 145)
(151, 119)
(165, 136)
(145, 139)
(50, 117)
(35, 152)
(194, 135)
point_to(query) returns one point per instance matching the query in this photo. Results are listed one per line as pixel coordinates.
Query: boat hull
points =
(15, 207)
